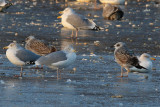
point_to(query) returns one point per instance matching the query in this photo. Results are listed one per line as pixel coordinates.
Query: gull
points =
(74, 21)
(19, 56)
(111, 12)
(38, 47)
(125, 58)
(59, 59)
(4, 5)
(145, 61)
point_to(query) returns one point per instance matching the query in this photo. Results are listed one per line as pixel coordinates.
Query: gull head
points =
(146, 56)
(69, 49)
(13, 45)
(68, 10)
(119, 45)
(29, 38)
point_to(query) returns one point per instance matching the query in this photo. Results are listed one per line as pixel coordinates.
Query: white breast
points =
(65, 23)
(62, 64)
(2, 3)
(147, 64)
(10, 53)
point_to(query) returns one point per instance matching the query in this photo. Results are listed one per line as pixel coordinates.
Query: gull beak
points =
(74, 51)
(61, 12)
(6, 47)
(153, 59)
(59, 17)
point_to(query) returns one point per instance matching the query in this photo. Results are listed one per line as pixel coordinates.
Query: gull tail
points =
(96, 28)
(140, 67)
(30, 62)
(7, 5)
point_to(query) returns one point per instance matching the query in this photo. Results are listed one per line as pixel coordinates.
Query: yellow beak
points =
(74, 50)
(61, 12)
(153, 59)
(6, 47)
(59, 17)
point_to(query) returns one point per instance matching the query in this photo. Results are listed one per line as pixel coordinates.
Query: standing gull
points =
(38, 47)
(58, 59)
(125, 58)
(145, 61)
(74, 21)
(111, 12)
(4, 5)
(20, 56)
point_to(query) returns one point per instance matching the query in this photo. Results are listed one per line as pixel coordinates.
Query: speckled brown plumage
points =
(125, 57)
(38, 47)
(111, 12)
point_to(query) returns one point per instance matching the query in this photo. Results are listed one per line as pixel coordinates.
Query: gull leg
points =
(76, 41)
(127, 72)
(95, 4)
(76, 33)
(72, 34)
(121, 72)
(21, 73)
(41, 66)
(60, 74)
(57, 73)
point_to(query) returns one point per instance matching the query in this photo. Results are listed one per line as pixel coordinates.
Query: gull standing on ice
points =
(20, 56)
(74, 21)
(111, 12)
(38, 47)
(58, 59)
(145, 61)
(4, 5)
(125, 58)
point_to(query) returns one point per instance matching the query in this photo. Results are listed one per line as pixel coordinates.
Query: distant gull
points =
(125, 58)
(111, 12)
(38, 47)
(145, 61)
(59, 59)
(4, 5)
(20, 56)
(74, 21)
(115, 2)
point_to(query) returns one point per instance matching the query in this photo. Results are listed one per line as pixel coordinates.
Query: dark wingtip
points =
(140, 67)
(97, 28)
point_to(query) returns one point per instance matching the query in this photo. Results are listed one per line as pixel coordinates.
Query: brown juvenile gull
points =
(145, 61)
(20, 56)
(125, 58)
(4, 5)
(74, 21)
(111, 12)
(58, 59)
(38, 47)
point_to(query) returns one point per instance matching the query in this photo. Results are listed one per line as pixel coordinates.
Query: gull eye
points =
(118, 45)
